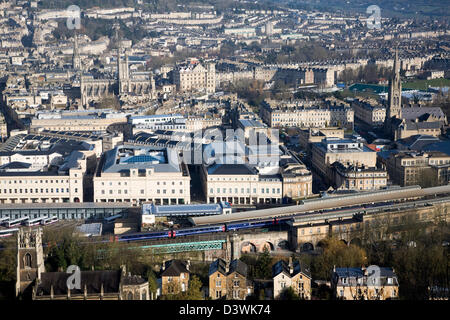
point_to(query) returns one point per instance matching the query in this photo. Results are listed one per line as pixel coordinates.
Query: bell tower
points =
(30, 258)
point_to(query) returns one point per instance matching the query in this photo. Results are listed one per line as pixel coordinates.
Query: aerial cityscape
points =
(226, 150)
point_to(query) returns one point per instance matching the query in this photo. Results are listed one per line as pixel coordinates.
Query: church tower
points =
(123, 69)
(76, 60)
(30, 259)
(395, 92)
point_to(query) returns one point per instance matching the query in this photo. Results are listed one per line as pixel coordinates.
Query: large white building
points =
(349, 151)
(37, 171)
(142, 174)
(195, 77)
(307, 117)
(249, 175)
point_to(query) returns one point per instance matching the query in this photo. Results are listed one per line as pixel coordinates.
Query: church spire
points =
(394, 107)
(76, 61)
(396, 65)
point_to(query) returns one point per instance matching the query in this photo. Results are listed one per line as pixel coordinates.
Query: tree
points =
(264, 265)
(109, 102)
(337, 253)
(194, 291)
(152, 283)
(8, 257)
(289, 294)
(68, 252)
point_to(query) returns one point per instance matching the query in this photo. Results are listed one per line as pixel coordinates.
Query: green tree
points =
(194, 291)
(152, 283)
(289, 294)
(8, 257)
(337, 253)
(264, 265)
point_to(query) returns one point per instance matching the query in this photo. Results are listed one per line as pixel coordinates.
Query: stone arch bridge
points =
(256, 242)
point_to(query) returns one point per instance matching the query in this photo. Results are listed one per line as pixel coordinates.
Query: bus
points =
(15, 222)
(3, 220)
(7, 233)
(113, 218)
(49, 220)
(35, 222)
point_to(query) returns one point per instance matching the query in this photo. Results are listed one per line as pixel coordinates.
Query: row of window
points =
(33, 181)
(236, 190)
(231, 179)
(119, 183)
(142, 191)
(52, 190)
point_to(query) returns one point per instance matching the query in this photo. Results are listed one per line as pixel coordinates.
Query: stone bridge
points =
(256, 242)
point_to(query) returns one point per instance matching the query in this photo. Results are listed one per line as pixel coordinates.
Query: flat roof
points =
(184, 209)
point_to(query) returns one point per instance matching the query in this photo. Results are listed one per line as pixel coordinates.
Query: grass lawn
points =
(423, 84)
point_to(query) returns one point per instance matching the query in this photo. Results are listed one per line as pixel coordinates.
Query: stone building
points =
(175, 276)
(141, 174)
(401, 123)
(229, 281)
(30, 259)
(294, 275)
(194, 77)
(34, 283)
(412, 168)
(297, 180)
(307, 116)
(359, 178)
(372, 283)
(346, 151)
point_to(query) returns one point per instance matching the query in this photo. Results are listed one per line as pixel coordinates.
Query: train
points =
(8, 232)
(173, 233)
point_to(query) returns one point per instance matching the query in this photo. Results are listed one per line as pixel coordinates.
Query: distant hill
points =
(158, 5)
(389, 8)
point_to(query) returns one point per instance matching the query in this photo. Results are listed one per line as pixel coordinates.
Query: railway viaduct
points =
(304, 235)
(256, 242)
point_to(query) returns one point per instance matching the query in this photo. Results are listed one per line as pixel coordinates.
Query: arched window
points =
(130, 296)
(27, 260)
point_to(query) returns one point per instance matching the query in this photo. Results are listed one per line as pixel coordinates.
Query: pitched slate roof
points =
(239, 267)
(133, 280)
(173, 268)
(92, 279)
(412, 113)
(283, 266)
(219, 265)
(418, 141)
